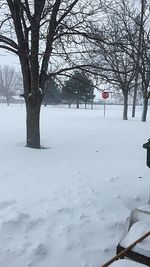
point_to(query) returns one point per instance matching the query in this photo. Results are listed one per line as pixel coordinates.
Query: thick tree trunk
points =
(33, 124)
(125, 106)
(134, 99)
(92, 99)
(78, 98)
(7, 101)
(145, 108)
(92, 104)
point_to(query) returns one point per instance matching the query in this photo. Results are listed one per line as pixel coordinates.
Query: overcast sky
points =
(7, 58)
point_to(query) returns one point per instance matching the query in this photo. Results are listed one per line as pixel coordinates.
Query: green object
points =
(147, 146)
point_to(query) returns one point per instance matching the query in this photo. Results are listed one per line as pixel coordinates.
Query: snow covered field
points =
(67, 205)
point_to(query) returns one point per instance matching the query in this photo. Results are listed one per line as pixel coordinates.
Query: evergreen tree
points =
(52, 93)
(79, 88)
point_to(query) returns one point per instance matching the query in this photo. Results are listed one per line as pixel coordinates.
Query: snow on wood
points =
(126, 263)
(136, 231)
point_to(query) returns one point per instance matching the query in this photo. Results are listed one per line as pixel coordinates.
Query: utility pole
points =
(141, 21)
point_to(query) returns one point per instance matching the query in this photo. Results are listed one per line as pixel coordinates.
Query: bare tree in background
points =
(139, 43)
(114, 53)
(124, 52)
(135, 21)
(38, 32)
(7, 83)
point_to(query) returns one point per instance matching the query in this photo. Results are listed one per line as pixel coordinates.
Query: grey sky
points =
(7, 58)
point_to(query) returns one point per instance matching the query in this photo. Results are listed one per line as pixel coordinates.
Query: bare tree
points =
(135, 21)
(120, 75)
(7, 82)
(141, 52)
(114, 53)
(38, 32)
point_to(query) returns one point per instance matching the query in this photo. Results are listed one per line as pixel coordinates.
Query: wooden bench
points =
(139, 224)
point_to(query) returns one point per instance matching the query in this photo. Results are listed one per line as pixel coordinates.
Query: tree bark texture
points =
(134, 97)
(33, 107)
(145, 108)
(125, 106)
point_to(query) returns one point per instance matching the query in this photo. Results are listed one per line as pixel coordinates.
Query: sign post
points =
(105, 95)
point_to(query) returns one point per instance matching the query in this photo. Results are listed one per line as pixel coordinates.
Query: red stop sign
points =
(105, 95)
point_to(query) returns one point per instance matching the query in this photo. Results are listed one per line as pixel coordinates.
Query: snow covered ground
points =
(66, 205)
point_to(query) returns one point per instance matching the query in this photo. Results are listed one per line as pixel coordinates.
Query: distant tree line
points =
(78, 88)
(10, 83)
